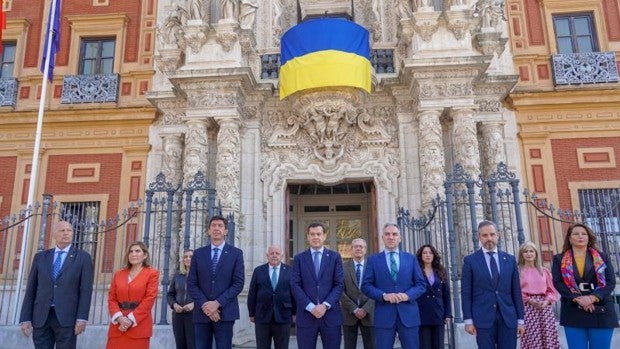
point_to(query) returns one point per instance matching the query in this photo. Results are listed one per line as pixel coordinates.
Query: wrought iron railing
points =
(99, 88)
(584, 68)
(8, 92)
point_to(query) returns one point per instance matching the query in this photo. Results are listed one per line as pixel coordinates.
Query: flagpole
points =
(34, 170)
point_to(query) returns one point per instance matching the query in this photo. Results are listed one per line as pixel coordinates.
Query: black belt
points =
(128, 305)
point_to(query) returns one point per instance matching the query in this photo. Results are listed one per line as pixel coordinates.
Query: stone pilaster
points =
(228, 167)
(173, 156)
(432, 158)
(492, 137)
(196, 149)
(465, 140)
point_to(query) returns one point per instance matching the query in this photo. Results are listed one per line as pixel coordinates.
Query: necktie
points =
(358, 273)
(274, 278)
(494, 270)
(393, 267)
(57, 264)
(216, 257)
(317, 262)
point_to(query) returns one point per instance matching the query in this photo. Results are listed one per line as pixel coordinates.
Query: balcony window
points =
(575, 33)
(97, 56)
(8, 60)
(8, 83)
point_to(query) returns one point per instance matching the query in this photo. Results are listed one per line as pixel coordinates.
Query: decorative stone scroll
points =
(228, 167)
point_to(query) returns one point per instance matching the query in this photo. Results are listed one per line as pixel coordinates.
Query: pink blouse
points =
(533, 283)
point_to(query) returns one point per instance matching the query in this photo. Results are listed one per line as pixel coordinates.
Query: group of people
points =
(383, 296)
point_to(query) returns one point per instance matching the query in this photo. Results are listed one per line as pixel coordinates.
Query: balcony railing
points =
(90, 88)
(8, 92)
(584, 68)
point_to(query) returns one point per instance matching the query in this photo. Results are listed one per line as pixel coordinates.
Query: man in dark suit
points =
(317, 284)
(491, 293)
(357, 309)
(57, 299)
(394, 280)
(270, 303)
(214, 281)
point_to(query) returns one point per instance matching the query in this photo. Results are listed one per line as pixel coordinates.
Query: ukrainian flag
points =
(324, 52)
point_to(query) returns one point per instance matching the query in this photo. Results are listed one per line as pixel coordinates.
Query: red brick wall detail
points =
(535, 154)
(136, 165)
(567, 168)
(543, 71)
(126, 89)
(524, 73)
(596, 157)
(144, 86)
(516, 26)
(612, 17)
(83, 172)
(543, 230)
(57, 91)
(24, 92)
(134, 188)
(8, 164)
(534, 23)
(26, 185)
(538, 176)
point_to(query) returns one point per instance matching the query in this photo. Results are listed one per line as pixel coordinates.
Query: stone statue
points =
(247, 13)
(171, 32)
(196, 9)
(229, 9)
(277, 20)
(403, 8)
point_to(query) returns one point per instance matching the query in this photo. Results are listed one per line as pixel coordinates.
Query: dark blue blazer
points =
(480, 298)
(71, 292)
(434, 304)
(328, 287)
(266, 304)
(224, 286)
(377, 281)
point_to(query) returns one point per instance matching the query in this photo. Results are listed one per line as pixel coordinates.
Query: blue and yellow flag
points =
(324, 52)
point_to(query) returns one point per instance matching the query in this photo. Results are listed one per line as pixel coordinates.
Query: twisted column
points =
(432, 159)
(228, 166)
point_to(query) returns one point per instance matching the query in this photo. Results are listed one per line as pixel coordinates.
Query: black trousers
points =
(432, 337)
(183, 329)
(53, 334)
(350, 336)
(279, 332)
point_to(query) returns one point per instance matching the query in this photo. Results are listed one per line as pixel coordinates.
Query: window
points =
(575, 33)
(84, 216)
(97, 56)
(8, 60)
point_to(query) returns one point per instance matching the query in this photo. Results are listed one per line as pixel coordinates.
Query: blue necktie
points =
(317, 263)
(358, 273)
(494, 270)
(274, 278)
(57, 264)
(216, 257)
(393, 266)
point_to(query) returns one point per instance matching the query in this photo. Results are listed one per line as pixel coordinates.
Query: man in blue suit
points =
(491, 293)
(317, 283)
(270, 303)
(57, 299)
(214, 281)
(394, 280)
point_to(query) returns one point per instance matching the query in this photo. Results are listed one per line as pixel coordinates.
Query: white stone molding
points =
(426, 23)
(432, 157)
(228, 166)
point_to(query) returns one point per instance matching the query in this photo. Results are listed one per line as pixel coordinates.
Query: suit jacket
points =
(435, 303)
(177, 291)
(353, 298)
(570, 314)
(266, 304)
(307, 288)
(142, 289)
(377, 281)
(480, 298)
(71, 292)
(224, 286)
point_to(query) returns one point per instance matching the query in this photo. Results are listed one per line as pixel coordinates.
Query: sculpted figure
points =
(247, 13)
(196, 9)
(403, 8)
(228, 9)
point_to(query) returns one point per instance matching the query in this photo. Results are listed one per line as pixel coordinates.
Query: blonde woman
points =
(538, 295)
(182, 305)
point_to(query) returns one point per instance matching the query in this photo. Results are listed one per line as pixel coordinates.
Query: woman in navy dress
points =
(434, 304)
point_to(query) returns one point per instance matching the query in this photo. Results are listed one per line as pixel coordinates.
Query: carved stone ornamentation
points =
(172, 157)
(228, 167)
(196, 37)
(226, 39)
(489, 105)
(465, 139)
(432, 159)
(445, 89)
(490, 42)
(169, 60)
(196, 149)
(426, 24)
(492, 146)
(171, 33)
(459, 23)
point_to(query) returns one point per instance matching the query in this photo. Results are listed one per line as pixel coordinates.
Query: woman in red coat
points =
(132, 294)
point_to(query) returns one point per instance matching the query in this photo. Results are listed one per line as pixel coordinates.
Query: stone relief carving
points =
(491, 12)
(432, 156)
(196, 37)
(171, 118)
(445, 89)
(276, 22)
(377, 19)
(426, 24)
(464, 133)
(228, 165)
(226, 39)
(196, 149)
(197, 9)
(489, 104)
(247, 13)
(403, 8)
(213, 99)
(228, 9)
(172, 159)
(171, 32)
(492, 145)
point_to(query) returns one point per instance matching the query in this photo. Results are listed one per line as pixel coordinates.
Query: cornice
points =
(590, 98)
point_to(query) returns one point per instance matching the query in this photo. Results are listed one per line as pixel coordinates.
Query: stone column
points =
(228, 167)
(432, 158)
(196, 149)
(172, 160)
(465, 141)
(493, 151)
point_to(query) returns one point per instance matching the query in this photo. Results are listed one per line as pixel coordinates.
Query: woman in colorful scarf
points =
(538, 294)
(585, 279)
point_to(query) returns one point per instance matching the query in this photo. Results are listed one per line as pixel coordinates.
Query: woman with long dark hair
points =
(434, 304)
(585, 279)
